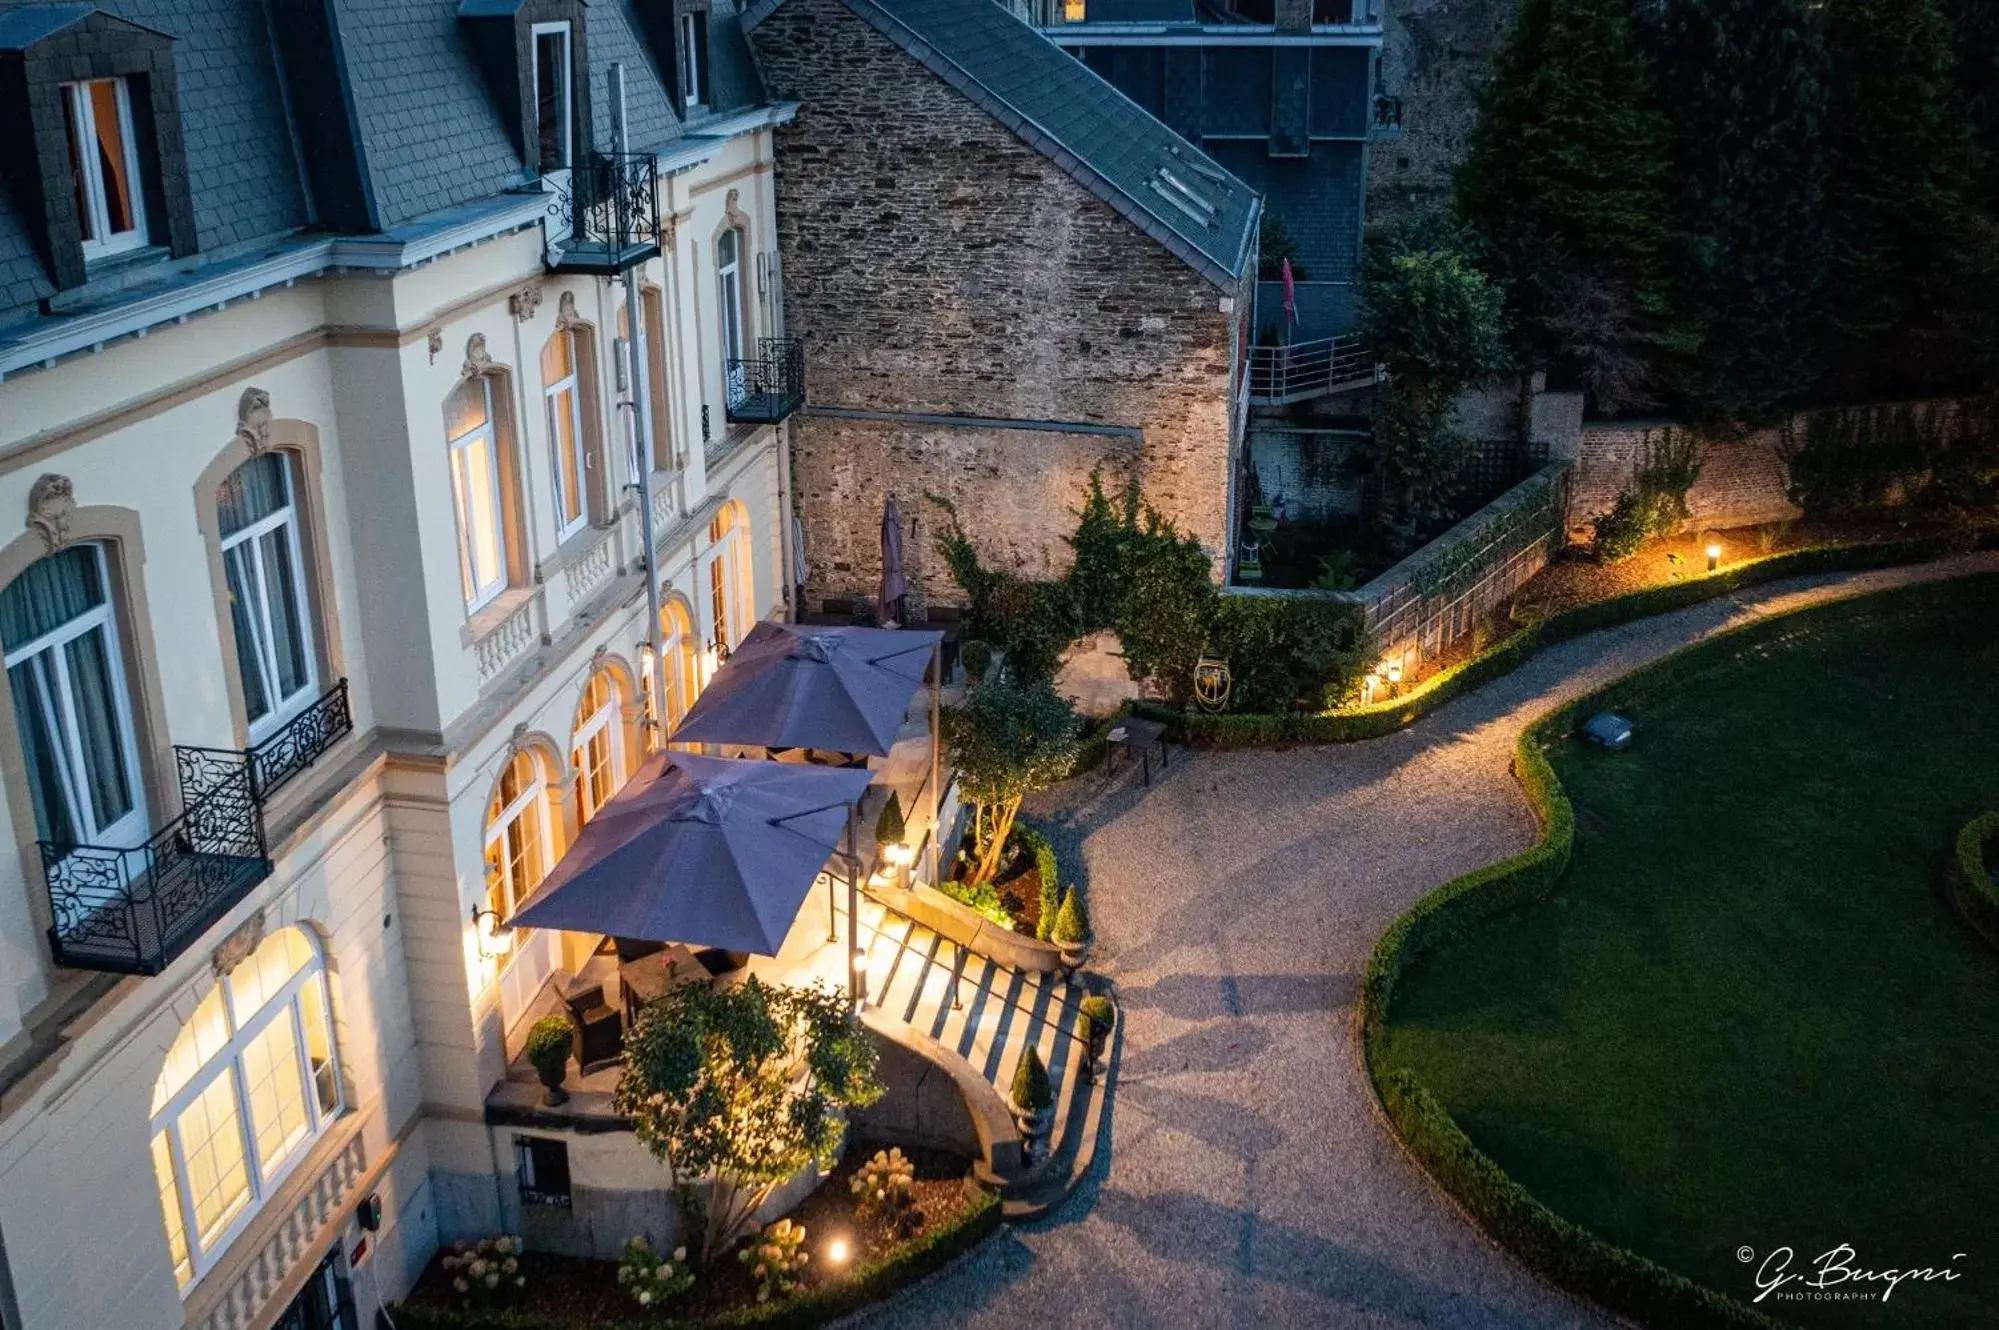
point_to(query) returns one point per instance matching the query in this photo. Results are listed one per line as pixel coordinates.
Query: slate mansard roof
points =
(1112, 146)
(428, 134)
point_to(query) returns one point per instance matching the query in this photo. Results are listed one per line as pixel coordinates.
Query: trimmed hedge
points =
(1563, 1251)
(1249, 730)
(869, 1282)
(1972, 887)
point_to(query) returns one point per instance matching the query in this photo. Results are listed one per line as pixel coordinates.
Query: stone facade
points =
(1742, 481)
(935, 264)
(1434, 56)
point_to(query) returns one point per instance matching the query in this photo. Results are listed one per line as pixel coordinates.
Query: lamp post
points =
(1713, 555)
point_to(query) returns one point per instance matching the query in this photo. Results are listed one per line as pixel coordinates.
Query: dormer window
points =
(694, 59)
(552, 99)
(104, 166)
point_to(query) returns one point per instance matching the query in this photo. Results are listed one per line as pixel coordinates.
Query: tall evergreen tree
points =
(1977, 23)
(1746, 83)
(1564, 186)
(1898, 198)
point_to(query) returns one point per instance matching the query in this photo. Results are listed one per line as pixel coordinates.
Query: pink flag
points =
(1290, 296)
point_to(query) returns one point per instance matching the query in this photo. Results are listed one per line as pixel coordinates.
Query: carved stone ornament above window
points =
(51, 504)
(565, 311)
(233, 950)
(477, 361)
(524, 303)
(253, 419)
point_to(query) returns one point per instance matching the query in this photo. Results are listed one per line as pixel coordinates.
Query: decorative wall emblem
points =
(733, 212)
(51, 504)
(436, 344)
(1211, 683)
(477, 360)
(233, 950)
(523, 303)
(253, 419)
(565, 311)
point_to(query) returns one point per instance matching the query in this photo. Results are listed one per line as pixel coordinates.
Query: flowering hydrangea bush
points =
(882, 1188)
(776, 1259)
(652, 1278)
(486, 1273)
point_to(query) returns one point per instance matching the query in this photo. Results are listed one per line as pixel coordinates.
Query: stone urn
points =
(551, 1076)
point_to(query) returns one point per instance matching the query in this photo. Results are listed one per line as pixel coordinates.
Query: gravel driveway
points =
(1247, 1180)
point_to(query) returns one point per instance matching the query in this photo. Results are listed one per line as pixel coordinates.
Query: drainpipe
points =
(642, 433)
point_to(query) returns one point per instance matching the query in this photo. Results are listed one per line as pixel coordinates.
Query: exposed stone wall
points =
(1434, 56)
(1742, 482)
(935, 263)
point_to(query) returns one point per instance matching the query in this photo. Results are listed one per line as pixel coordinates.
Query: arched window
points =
(268, 604)
(599, 751)
(72, 706)
(248, 1085)
(679, 649)
(519, 852)
(729, 297)
(562, 395)
(730, 574)
(476, 486)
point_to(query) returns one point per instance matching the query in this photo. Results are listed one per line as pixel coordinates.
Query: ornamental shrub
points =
(1098, 1010)
(777, 1259)
(486, 1273)
(653, 1279)
(1050, 904)
(884, 1188)
(1031, 1089)
(549, 1043)
(889, 828)
(1072, 926)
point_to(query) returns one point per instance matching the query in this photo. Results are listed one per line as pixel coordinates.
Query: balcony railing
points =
(1280, 375)
(769, 386)
(603, 215)
(132, 910)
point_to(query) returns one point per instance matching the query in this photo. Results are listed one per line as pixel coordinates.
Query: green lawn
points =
(1750, 1017)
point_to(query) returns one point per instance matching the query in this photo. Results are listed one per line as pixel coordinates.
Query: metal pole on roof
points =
(641, 424)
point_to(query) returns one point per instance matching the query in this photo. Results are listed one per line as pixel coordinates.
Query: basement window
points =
(104, 166)
(542, 1165)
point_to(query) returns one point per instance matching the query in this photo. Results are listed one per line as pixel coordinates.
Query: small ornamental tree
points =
(1011, 737)
(1031, 1090)
(745, 1086)
(889, 828)
(1072, 926)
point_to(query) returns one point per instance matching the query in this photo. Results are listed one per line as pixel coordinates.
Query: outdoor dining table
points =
(653, 976)
(1137, 738)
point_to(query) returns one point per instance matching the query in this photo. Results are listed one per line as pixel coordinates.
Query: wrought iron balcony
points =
(766, 388)
(603, 215)
(132, 910)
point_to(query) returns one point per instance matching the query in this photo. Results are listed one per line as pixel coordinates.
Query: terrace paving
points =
(1247, 1178)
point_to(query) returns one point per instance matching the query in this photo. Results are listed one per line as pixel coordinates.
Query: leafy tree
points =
(1977, 24)
(1434, 319)
(1013, 736)
(1898, 197)
(1274, 245)
(746, 1086)
(1564, 186)
(1746, 83)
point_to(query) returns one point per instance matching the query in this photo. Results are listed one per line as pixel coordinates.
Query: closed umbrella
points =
(707, 851)
(894, 585)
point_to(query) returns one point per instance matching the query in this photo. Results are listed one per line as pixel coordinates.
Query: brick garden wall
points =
(935, 263)
(1741, 482)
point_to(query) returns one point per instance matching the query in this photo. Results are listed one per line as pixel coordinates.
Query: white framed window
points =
(679, 656)
(567, 456)
(250, 1082)
(72, 707)
(729, 296)
(104, 166)
(475, 485)
(598, 750)
(693, 59)
(553, 106)
(651, 387)
(730, 575)
(268, 602)
(519, 854)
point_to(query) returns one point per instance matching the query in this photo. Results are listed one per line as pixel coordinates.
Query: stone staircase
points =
(989, 1014)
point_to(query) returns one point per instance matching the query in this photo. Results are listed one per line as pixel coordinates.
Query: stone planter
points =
(1030, 1121)
(1074, 954)
(551, 1078)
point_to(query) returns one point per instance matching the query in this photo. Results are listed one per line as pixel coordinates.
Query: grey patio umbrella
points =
(894, 586)
(707, 851)
(842, 689)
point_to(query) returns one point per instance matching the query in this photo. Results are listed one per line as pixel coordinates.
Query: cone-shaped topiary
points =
(1072, 926)
(1031, 1090)
(889, 829)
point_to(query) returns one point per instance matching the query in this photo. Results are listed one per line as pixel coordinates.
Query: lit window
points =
(598, 750)
(678, 651)
(516, 836)
(694, 59)
(475, 484)
(551, 95)
(267, 591)
(730, 575)
(1072, 11)
(249, 1083)
(565, 432)
(71, 706)
(104, 165)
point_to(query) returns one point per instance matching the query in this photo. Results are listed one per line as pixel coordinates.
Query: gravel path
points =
(1247, 1180)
